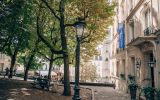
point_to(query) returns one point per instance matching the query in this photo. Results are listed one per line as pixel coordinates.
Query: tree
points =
(47, 31)
(29, 62)
(49, 56)
(23, 60)
(88, 72)
(97, 15)
(92, 11)
(14, 28)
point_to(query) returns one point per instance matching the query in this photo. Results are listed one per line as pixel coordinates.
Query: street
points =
(107, 93)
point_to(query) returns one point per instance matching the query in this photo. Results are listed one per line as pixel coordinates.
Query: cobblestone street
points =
(108, 93)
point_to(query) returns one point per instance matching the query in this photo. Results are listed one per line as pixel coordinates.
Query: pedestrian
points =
(15, 70)
(7, 72)
(62, 80)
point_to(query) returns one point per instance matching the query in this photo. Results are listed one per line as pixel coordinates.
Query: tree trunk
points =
(28, 65)
(26, 73)
(50, 67)
(13, 61)
(67, 90)
(30, 60)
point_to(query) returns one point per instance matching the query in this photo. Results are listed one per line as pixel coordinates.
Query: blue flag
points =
(121, 35)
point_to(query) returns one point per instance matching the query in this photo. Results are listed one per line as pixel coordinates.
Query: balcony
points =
(148, 31)
(119, 50)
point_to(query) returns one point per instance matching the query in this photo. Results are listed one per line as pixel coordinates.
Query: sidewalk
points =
(16, 78)
(107, 93)
(16, 89)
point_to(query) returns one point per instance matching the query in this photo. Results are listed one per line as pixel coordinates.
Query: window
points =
(132, 31)
(147, 19)
(100, 58)
(96, 57)
(117, 69)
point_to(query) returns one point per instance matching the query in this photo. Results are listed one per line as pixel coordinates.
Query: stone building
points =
(136, 43)
(4, 62)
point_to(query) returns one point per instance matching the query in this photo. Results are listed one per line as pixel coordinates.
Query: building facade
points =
(136, 43)
(4, 62)
(101, 61)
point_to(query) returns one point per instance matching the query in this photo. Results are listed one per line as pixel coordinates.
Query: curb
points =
(92, 92)
(96, 84)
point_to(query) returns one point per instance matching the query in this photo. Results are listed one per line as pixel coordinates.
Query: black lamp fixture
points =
(138, 62)
(151, 63)
(79, 25)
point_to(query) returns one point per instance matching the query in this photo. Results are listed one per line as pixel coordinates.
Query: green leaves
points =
(88, 72)
(23, 21)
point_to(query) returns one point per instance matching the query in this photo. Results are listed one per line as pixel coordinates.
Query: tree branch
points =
(86, 14)
(43, 55)
(5, 44)
(68, 25)
(84, 38)
(57, 58)
(39, 33)
(86, 41)
(51, 9)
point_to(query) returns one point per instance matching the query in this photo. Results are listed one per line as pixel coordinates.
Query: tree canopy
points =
(32, 27)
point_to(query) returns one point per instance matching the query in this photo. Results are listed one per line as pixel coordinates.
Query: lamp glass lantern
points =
(151, 64)
(79, 29)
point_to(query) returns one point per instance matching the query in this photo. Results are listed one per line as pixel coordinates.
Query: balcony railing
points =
(118, 50)
(148, 31)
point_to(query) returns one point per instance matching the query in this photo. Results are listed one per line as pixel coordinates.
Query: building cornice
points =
(134, 10)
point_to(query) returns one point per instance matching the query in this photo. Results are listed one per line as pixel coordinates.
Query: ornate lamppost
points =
(151, 64)
(79, 34)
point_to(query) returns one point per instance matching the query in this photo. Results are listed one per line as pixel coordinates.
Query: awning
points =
(140, 40)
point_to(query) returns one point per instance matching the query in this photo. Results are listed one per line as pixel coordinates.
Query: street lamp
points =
(151, 64)
(79, 25)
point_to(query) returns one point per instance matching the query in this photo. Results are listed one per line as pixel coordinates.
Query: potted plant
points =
(133, 90)
(149, 92)
(157, 91)
(131, 78)
(122, 76)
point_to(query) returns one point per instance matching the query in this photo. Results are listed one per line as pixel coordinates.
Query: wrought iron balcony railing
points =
(148, 31)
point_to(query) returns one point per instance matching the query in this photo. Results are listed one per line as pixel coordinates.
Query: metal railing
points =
(148, 31)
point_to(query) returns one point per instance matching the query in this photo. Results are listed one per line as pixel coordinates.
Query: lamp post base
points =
(76, 98)
(76, 93)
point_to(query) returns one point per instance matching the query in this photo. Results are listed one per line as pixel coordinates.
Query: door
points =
(151, 59)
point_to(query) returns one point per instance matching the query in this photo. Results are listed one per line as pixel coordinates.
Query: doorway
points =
(149, 73)
(151, 59)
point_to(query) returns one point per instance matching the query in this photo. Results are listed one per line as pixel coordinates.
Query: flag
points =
(121, 35)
